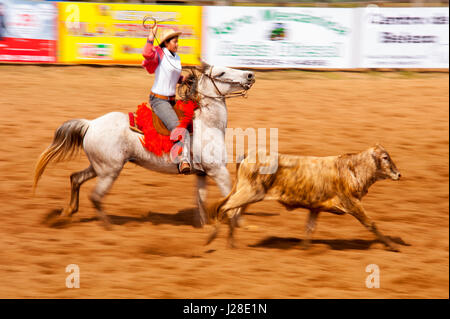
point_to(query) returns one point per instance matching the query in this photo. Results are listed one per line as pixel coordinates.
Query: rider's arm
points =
(151, 54)
(151, 57)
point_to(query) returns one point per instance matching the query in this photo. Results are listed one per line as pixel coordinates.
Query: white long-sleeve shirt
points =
(165, 65)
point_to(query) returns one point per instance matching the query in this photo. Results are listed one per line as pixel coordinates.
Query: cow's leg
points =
(76, 180)
(234, 220)
(237, 203)
(201, 199)
(310, 227)
(244, 195)
(103, 186)
(358, 212)
(237, 216)
(231, 226)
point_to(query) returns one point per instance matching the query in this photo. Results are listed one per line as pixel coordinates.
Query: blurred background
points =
(268, 2)
(338, 34)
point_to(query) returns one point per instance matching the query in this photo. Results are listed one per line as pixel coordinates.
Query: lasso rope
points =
(146, 18)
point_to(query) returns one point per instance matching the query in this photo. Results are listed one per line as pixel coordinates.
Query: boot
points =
(184, 168)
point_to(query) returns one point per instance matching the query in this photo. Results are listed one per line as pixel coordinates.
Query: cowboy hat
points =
(167, 34)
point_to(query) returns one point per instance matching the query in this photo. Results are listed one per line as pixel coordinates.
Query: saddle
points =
(158, 124)
(156, 137)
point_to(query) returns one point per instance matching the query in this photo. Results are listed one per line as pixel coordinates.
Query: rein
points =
(189, 88)
(222, 96)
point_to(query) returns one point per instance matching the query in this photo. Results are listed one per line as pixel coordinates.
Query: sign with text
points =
(404, 37)
(113, 33)
(278, 37)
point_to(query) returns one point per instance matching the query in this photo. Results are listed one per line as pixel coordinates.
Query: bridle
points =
(222, 96)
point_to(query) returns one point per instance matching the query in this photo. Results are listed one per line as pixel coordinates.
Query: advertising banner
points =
(278, 37)
(27, 31)
(113, 33)
(404, 37)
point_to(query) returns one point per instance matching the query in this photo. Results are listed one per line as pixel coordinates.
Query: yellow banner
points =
(113, 33)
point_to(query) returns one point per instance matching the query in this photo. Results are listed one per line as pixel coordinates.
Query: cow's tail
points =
(67, 141)
(214, 212)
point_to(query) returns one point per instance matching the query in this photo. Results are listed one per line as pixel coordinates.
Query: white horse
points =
(109, 143)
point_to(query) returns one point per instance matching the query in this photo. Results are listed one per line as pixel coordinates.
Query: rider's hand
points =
(151, 34)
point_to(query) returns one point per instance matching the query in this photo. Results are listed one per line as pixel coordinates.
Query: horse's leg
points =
(222, 178)
(103, 186)
(76, 180)
(201, 199)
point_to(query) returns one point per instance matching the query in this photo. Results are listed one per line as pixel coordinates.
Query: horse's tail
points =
(66, 143)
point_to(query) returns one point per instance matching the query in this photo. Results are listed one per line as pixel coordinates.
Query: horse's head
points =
(220, 81)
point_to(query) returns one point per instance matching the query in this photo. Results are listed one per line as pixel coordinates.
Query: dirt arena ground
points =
(154, 251)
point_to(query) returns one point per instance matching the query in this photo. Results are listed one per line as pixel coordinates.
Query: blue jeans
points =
(164, 110)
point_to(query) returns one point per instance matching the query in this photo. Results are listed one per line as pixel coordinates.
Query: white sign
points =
(278, 37)
(29, 19)
(404, 37)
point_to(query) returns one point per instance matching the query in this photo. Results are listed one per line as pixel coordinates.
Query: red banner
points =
(27, 50)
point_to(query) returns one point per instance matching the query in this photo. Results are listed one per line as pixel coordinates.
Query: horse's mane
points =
(188, 90)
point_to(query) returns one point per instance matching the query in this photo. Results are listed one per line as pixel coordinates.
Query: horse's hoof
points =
(393, 249)
(399, 240)
(60, 222)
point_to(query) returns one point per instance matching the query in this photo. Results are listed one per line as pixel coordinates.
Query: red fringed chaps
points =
(153, 141)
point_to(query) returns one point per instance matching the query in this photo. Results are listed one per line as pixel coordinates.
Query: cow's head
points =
(385, 166)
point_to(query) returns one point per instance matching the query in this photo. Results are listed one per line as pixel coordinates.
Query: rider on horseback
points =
(165, 63)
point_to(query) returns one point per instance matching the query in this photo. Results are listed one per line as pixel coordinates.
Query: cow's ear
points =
(375, 151)
(376, 155)
(378, 148)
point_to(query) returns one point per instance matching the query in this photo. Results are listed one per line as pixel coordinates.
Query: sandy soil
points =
(154, 251)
